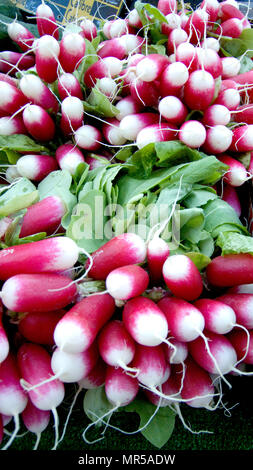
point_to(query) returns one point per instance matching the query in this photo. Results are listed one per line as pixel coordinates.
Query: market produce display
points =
(126, 260)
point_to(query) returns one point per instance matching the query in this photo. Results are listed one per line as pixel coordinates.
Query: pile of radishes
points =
(182, 347)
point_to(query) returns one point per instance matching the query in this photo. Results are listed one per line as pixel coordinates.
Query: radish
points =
(229, 97)
(150, 363)
(38, 292)
(108, 87)
(119, 352)
(182, 277)
(242, 139)
(78, 328)
(38, 122)
(122, 250)
(126, 282)
(69, 157)
(156, 133)
(197, 390)
(209, 60)
(12, 62)
(145, 321)
(230, 67)
(239, 341)
(72, 51)
(35, 367)
(176, 36)
(132, 124)
(112, 48)
(45, 20)
(38, 93)
(237, 173)
(173, 23)
(20, 35)
(174, 76)
(219, 317)
(70, 368)
(38, 327)
(186, 54)
(223, 356)
(229, 194)
(192, 133)
(112, 132)
(43, 216)
(241, 289)
(120, 388)
(35, 420)
(199, 90)
(11, 98)
(218, 139)
(47, 58)
(229, 9)
(68, 85)
(230, 270)
(211, 43)
(242, 306)
(243, 114)
(185, 322)
(96, 377)
(89, 29)
(157, 253)
(216, 114)
(127, 106)
(167, 6)
(4, 342)
(13, 399)
(170, 387)
(176, 352)
(151, 67)
(108, 67)
(88, 137)
(232, 27)
(212, 7)
(14, 260)
(12, 125)
(7, 79)
(173, 110)
(145, 93)
(196, 25)
(71, 115)
(36, 167)
(134, 19)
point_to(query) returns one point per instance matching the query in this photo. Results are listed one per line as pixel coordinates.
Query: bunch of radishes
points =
(179, 349)
(176, 350)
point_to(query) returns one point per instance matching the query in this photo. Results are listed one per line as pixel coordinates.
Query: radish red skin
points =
(239, 340)
(83, 321)
(35, 366)
(242, 305)
(48, 255)
(13, 398)
(127, 281)
(35, 420)
(197, 382)
(182, 277)
(35, 292)
(120, 389)
(145, 321)
(185, 322)
(119, 351)
(122, 250)
(43, 216)
(151, 363)
(38, 327)
(230, 270)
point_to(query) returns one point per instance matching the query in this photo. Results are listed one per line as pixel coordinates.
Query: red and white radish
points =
(38, 122)
(38, 292)
(78, 328)
(72, 51)
(126, 282)
(69, 157)
(69, 367)
(38, 327)
(36, 167)
(35, 420)
(145, 321)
